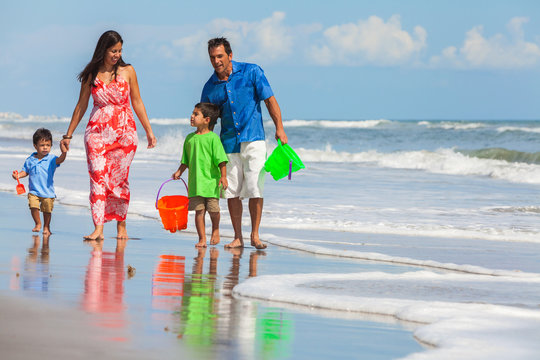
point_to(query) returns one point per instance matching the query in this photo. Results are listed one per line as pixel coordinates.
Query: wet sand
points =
(156, 296)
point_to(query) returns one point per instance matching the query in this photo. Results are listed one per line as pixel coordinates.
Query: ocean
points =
(453, 204)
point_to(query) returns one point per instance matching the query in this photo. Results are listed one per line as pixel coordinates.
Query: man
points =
(238, 88)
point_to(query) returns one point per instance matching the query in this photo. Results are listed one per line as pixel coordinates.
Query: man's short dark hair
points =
(215, 42)
(209, 110)
(42, 134)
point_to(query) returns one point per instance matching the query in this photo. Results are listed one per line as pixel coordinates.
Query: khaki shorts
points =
(245, 171)
(44, 204)
(203, 203)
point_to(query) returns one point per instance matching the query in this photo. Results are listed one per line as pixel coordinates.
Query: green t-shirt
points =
(202, 154)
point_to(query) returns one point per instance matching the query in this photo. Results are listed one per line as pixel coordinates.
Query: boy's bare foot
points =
(121, 230)
(200, 244)
(36, 228)
(214, 240)
(256, 243)
(46, 231)
(236, 243)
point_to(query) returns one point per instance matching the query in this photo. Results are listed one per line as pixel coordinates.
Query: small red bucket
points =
(173, 209)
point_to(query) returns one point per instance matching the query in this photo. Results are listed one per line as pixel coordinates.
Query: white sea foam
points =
(450, 125)
(372, 256)
(13, 117)
(519, 128)
(407, 229)
(170, 121)
(460, 311)
(441, 161)
(344, 124)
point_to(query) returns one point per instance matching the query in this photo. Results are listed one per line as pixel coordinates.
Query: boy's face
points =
(43, 147)
(198, 120)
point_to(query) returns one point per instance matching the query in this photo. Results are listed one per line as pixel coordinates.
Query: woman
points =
(110, 138)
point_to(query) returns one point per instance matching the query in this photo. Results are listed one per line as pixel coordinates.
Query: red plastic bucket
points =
(173, 209)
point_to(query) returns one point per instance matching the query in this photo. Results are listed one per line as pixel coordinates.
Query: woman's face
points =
(113, 54)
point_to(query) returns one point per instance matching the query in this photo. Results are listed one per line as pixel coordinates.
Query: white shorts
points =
(245, 171)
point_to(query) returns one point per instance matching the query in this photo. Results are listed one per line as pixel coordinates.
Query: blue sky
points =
(418, 59)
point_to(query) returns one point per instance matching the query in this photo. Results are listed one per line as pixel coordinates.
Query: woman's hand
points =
(151, 140)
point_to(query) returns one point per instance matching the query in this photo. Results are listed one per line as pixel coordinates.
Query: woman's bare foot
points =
(236, 243)
(36, 228)
(201, 244)
(256, 243)
(121, 230)
(96, 235)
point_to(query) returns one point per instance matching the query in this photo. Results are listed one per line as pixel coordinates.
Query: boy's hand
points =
(223, 182)
(176, 175)
(18, 174)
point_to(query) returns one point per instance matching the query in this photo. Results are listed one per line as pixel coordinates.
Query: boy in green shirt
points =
(205, 157)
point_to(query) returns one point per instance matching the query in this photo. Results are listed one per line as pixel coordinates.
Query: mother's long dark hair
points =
(106, 40)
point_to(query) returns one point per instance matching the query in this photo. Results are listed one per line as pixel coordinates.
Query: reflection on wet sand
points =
(167, 288)
(104, 287)
(35, 276)
(204, 315)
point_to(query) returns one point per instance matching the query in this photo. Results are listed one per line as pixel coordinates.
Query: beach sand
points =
(157, 296)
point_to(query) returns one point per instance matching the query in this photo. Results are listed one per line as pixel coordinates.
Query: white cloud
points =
(496, 52)
(266, 40)
(370, 41)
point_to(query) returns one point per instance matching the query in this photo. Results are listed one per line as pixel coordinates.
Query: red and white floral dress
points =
(111, 141)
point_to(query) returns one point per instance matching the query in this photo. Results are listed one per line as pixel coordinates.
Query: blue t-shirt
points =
(41, 174)
(240, 101)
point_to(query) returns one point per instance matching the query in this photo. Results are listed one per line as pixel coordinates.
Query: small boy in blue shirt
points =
(40, 167)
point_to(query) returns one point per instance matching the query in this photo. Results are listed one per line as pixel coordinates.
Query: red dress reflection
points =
(104, 288)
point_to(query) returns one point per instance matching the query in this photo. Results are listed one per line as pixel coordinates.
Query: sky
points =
(349, 59)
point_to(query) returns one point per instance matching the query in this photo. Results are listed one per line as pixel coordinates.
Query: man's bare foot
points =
(236, 243)
(201, 244)
(214, 240)
(46, 231)
(256, 243)
(121, 230)
(36, 228)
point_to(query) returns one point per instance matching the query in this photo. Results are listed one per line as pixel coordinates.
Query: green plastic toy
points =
(282, 162)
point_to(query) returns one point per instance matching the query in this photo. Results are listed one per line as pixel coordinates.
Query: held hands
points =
(64, 144)
(64, 147)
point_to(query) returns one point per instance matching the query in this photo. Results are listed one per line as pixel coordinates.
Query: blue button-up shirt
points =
(239, 98)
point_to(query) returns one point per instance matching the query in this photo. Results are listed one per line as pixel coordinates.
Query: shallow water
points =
(177, 298)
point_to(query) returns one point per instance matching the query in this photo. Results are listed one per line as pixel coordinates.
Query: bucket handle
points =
(166, 181)
(290, 161)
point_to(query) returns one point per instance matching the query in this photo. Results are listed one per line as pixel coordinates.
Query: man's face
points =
(221, 62)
